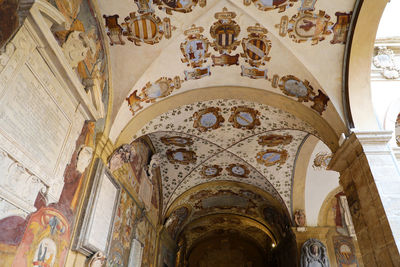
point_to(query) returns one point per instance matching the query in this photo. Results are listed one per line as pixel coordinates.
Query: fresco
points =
(146, 234)
(175, 221)
(91, 68)
(130, 166)
(8, 20)
(45, 235)
(226, 145)
(345, 251)
(141, 27)
(220, 197)
(45, 241)
(123, 230)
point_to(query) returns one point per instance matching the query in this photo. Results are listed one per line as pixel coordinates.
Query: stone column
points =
(370, 177)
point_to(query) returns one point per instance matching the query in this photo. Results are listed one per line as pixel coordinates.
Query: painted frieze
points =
(152, 91)
(225, 32)
(271, 157)
(244, 118)
(268, 5)
(256, 48)
(183, 6)
(208, 119)
(238, 170)
(272, 140)
(345, 251)
(195, 52)
(341, 27)
(176, 141)
(181, 156)
(211, 171)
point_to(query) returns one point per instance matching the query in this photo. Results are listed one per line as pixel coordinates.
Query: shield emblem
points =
(255, 49)
(178, 4)
(257, 46)
(146, 28)
(225, 36)
(183, 6)
(224, 32)
(309, 26)
(266, 5)
(196, 50)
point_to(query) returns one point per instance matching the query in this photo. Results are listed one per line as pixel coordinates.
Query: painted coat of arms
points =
(183, 6)
(306, 25)
(274, 140)
(151, 91)
(114, 30)
(225, 32)
(256, 48)
(181, 156)
(303, 91)
(146, 28)
(341, 28)
(195, 52)
(266, 5)
(271, 157)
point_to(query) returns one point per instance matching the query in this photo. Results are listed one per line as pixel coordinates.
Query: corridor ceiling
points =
(163, 52)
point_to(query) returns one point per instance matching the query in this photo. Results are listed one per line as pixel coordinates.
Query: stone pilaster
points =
(370, 178)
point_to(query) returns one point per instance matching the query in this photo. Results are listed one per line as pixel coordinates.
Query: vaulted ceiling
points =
(288, 52)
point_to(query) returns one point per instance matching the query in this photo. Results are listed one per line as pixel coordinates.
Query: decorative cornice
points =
(367, 142)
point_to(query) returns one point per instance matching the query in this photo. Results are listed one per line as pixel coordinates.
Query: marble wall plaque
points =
(98, 221)
(30, 118)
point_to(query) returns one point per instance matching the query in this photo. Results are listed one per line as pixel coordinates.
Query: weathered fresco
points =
(132, 166)
(345, 251)
(44, 236)
(8, 20)
(124, 223)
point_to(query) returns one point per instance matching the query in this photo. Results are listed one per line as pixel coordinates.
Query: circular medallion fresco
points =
(292, 86)
(207, 119)
(271, 157)
(181, 156)
(244, 118)
(177, 141)
(238, 170)
(211, 171)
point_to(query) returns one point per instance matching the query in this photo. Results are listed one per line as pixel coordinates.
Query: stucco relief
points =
(387, 62)
(76, 47)
(18, 186)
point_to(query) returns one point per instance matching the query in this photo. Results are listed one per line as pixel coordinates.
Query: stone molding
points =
(368, 142)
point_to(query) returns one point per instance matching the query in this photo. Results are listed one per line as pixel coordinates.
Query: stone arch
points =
(329, 127)
(358, 55)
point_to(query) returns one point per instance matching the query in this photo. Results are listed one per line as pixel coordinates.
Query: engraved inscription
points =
(32, 120)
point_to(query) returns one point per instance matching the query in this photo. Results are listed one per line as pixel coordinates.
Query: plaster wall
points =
(319, 182)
